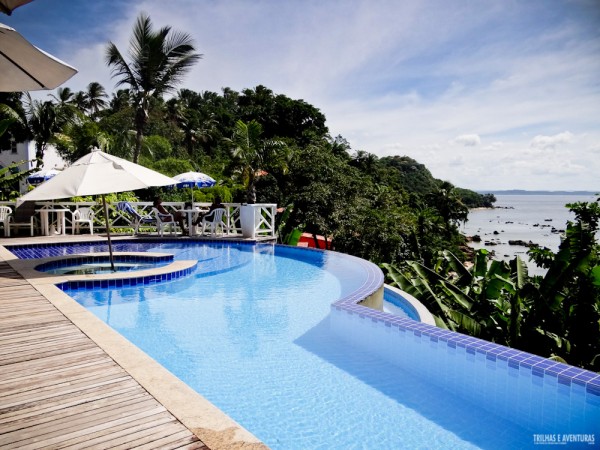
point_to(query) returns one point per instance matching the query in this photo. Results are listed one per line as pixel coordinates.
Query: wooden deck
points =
(58, 389)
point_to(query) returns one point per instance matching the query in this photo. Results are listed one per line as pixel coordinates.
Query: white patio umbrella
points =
(7, 6)
(98, 173)
(24, 67)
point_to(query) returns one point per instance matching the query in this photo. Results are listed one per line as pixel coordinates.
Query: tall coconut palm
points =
(80, 101)
(44, 120)
(253, 154)
(158, 60)
(64, 96)
(95, 98)
(120, 100)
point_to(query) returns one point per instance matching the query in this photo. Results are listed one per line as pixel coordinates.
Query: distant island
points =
(524, 192)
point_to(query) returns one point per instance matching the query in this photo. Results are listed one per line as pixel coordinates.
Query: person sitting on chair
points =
(178, 216)
(216, 204)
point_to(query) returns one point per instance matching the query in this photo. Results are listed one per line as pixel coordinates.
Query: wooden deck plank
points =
(146, 441)
(58, 389)
(47, 392)
(31, 378)
(82, 374)
(50, 343)
(42, 364)
(66, 420)
(54, 438)
(87, 396)
(54, 331)
(24, 356)
(99, 438)
(79, 410)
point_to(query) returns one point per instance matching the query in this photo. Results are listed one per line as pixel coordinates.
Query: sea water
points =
(540, 219)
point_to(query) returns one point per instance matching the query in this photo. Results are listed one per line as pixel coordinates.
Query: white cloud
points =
(405, 78)
(551, 142)
(468, 140)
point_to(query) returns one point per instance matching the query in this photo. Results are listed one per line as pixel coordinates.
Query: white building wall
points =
(25, 151)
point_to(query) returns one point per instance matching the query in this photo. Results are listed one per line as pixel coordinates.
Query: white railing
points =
(260, 217)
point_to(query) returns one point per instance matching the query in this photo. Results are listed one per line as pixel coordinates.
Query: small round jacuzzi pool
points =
(94, 265)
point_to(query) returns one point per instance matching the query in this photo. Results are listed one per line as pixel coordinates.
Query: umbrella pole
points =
(112, 262)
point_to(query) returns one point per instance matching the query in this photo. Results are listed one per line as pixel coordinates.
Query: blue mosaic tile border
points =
(69, 261)
(517, 359)
(35, 251)
(124, 282)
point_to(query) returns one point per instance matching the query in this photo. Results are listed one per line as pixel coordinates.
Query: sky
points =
(488, 94)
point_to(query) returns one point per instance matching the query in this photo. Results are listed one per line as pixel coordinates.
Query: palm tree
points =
(197, 124)
(44, 119)
(80, 101)
(95, 98)
(8, 116)
(64, 96)
(252, 154)
(120, 100)
(449, 205)
(157, 62)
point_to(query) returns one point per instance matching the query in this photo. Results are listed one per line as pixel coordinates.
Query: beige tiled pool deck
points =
(67, 380)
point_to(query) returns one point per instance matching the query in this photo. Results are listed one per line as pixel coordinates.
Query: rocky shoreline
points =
(518, 242)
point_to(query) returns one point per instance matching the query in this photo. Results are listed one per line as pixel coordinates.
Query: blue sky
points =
(488, 94)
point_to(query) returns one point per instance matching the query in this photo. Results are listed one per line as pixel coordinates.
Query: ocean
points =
(536, 218)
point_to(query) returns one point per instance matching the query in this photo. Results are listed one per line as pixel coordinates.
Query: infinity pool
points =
(251, 331)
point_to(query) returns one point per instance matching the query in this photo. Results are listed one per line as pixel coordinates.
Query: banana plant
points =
(481, 300)
(557, 316)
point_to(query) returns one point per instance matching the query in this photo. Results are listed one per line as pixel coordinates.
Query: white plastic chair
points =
(83, 216)
(214, 220)
(5, 212)
(164, 220)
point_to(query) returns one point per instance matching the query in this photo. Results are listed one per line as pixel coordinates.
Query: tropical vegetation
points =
(267, 147)
(556, 315)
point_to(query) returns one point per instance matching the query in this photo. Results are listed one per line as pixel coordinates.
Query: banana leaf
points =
(467, 323)
(519, 271)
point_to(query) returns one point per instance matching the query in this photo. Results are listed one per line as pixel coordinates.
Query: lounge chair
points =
(134, 217)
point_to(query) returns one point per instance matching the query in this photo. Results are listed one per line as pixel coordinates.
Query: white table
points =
(191, 215)
(47, 220)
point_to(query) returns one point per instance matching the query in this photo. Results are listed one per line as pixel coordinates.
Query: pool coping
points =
(211, 425)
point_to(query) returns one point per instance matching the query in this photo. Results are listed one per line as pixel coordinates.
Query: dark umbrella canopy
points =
(7, 6)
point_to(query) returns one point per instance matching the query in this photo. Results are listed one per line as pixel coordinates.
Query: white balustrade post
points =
(248, 221)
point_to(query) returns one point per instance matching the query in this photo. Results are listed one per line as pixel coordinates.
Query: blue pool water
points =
(249, 330)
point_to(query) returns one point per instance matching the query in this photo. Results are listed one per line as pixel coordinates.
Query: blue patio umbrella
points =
(41, 176)
(194, 179)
